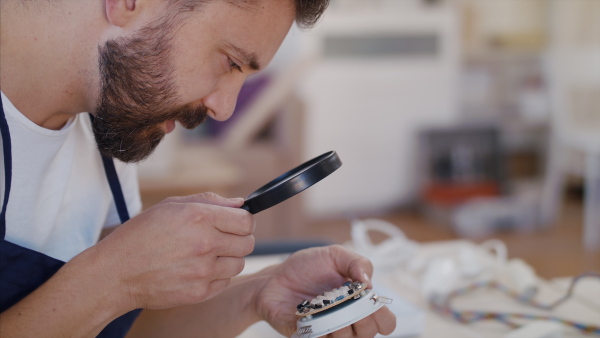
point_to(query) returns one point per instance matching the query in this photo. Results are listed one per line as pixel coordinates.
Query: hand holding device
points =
(186, 249)
(181, 251)
(309, 272)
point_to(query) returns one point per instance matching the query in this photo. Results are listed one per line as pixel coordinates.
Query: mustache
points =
(133, 138)
(192, 115)
(189, 116)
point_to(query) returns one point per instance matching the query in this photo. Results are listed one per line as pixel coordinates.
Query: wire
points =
(444, 306)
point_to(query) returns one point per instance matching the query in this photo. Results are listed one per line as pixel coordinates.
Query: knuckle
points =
(200, 214)
(210, 196)
(204, 214)
(337, 248)
(247, 224)
(364, 261)
(361, 261)
(171, 199)
(200, 293)
(187, 212)
(205, 245)
(249, 245)
(205, 271)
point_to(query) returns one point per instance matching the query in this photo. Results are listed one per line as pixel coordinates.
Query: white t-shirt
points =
(60, 199)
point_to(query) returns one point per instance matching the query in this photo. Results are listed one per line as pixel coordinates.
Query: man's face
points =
(182, 70)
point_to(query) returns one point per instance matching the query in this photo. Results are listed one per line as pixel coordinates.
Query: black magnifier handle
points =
(292, 182)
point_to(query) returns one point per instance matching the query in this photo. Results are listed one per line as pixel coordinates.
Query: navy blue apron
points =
(23, 270)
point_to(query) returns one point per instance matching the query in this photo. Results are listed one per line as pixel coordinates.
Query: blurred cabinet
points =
(575, 87)
(385, 70)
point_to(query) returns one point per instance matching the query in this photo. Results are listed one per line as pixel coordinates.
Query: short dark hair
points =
(308, 12)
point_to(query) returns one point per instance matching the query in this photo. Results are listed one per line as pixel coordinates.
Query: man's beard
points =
(138, 95)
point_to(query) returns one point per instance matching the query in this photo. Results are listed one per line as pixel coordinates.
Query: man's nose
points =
(221, 102)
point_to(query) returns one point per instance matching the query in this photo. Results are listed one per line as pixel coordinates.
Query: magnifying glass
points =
(292, 182)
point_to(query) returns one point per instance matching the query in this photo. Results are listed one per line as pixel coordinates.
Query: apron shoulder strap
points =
(115, 185)
(6, 148)
(115, 188)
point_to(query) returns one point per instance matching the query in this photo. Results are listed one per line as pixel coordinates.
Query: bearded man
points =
(137, 67)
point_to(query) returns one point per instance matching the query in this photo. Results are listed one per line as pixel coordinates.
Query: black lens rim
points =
(292, 182)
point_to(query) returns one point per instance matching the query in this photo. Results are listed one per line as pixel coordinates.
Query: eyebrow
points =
(247, 57)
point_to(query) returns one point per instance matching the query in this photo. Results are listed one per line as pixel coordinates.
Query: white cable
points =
(391, 252)
(438, 275)
(522, 278)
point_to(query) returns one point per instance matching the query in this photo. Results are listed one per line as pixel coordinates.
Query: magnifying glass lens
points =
(292, 182)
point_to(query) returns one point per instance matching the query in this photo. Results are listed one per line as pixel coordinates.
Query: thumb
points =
(207, 198)
(352, 265)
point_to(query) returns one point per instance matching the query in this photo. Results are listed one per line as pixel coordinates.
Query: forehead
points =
(256, 26)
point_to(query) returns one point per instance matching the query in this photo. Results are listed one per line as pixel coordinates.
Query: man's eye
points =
(233, 65)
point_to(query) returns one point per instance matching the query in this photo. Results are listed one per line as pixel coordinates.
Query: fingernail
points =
(236, 199)
(366, 277)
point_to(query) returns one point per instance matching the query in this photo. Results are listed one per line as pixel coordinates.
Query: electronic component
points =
(331, 298)
(336, 309)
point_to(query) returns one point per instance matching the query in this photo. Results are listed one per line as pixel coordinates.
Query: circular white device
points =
(339, 316)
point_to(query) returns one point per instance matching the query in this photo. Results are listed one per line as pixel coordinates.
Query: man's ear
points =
(120, 12)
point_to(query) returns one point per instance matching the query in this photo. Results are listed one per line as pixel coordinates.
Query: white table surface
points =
(584, 306)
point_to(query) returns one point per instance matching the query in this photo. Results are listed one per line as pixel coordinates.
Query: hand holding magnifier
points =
(292, 182)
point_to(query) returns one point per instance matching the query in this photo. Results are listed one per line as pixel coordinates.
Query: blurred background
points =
(454, 119)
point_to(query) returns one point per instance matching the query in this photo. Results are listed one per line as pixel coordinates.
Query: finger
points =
(232, 220)
(353, 265)
(344, 332)
(215, 287)
(366, 327)
(228, 245)
(385, 320)
(207, 198)
(228, 267)
(227, 220)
